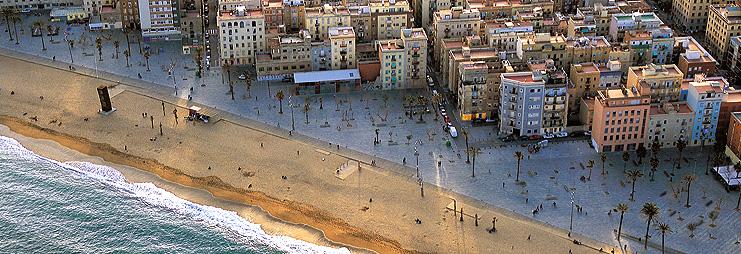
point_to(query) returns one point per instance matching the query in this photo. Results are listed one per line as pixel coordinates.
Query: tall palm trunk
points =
(648, 226)
(517, 177)
(43, 45)
(620, 226)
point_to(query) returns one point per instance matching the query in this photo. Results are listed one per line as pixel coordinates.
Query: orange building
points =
(733, 141)
(620, 119)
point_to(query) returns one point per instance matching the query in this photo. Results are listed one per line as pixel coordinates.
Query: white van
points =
(453, 132)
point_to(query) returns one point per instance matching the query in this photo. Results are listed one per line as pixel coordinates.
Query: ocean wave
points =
(148, 193)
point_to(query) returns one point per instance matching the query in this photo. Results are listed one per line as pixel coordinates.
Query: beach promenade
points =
(292, 178)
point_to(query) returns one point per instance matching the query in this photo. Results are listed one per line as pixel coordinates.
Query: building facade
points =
(620, 120)
(663, 81)
(242, 35)
(669, 123)
(159, 20)
(705, 97)
(724, 21)
(342, 41)
(693, 58)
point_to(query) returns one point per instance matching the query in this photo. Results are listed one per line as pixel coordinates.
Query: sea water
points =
(79, 207)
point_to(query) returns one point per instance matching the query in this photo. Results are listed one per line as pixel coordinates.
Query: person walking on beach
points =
(175, 113)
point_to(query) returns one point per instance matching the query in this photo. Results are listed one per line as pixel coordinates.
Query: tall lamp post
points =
(571, 221)
(416, 154)
(290, 104)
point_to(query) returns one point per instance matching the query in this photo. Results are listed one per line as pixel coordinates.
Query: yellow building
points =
(342, 41)
(584, 78)
(663, 81)
(390, 17)
(415, 45)
(668, 123)
(454, 23)
(318, 20)
(588, 49)
(692, 15)
(724, 22)
(392, 64)
(544, 46)
(242, 35)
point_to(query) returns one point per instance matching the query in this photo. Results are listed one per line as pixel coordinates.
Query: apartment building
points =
(294, 14)
(491, 9)
(273, 12)
(242, 35)
(639, 44)
(693, 58)
(288, 54)
(555, 97)
(731, 103)
(724, 22)
(465, 54)
(454, 23)
(543, 46)
(584, 81)
(318, 20)
(389, 17)
(734, 59)
(733, 140)
(620, 23)
(476, 97)
(39, 4)
(159, 19)
(415, 45)
(532, 103)
(669, 123)
(587, 49)
(610, 75)
(692, 15)
(705, 98)
(362, 23)
(392, 57)
(231, 5)
(191, 24)
(662, 45)
(620, 119)
(130, 14)
(602, 15)
(342, 41)
(503, 34)
(580, 26)
(662, 82)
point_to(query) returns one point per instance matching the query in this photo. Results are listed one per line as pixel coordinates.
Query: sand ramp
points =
(346, 169)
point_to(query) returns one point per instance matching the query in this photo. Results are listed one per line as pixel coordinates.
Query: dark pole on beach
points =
(163, 109)
(160, 128)
(151, 119)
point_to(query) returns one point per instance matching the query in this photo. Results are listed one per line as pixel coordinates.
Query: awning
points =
(323, 76)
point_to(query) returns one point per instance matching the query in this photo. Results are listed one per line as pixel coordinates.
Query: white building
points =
(159, 19)
(242, 35)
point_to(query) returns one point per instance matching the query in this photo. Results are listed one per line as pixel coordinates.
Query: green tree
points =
(626, 158)
(590, 165)
(306, 111)
(663, 228)
(641, 152)
(689, 179)
(519, 156)
(650, 211)
(681, 145)
(116, 45)
(50, 31)
(603, 158)
(99, 46)
(280, 96)
(465, 138)
(7, 13)
(633, 175)
(70, 45)
(473, 151)
(621, 208)
(146, 58)
(654, 162)
(127, 54)
(40, 25)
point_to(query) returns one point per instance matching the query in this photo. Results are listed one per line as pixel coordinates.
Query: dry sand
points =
(310, 195)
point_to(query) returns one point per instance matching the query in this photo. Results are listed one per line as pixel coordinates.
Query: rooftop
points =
(586, 67)
(694, 52)
(341, 32)
(656, 70)
(680, 108)
(321, 76)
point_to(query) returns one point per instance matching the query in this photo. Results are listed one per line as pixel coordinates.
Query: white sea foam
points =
(150, 194)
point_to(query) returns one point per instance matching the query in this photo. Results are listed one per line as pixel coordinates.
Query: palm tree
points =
(633, 175)
(654, 162)
(465, 138)
(128, 45)
(681, 144)
(306, 112)
(40, 24)
(663, 228)
(280, 96)
(115, 45)
(655, 147)
(127, 53)
(649, 210)
(139, 42)
(146, 59)
(99, 46)
(621, 208)
(689, 179)
(70, 45)
(15, 18)
(626, 158)
(50, 32)
(519, 156)
(737, 168)
(641, 152)
(603, 158)
(7, 13)
(590, 165)
(473, 151)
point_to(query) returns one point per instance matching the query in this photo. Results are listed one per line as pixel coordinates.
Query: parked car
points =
(548, 135)
(242, 77)
(447, 119)
(587, 133)
(536, 137)
(524, 137)
(453, 132)
(507, 139)
(562, 134)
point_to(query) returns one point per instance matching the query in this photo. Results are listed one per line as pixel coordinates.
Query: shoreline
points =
(271, 225)
(216, 187)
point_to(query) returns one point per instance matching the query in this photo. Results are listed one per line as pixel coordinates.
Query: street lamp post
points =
(293, 123)
(571, 221)
(416, 154)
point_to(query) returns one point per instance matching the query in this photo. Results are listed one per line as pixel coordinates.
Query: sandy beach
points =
(238, 162)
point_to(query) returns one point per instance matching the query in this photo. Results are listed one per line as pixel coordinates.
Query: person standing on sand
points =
(175, 113)
(163, 108)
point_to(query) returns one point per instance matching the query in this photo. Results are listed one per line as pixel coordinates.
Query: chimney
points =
(466, 52)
